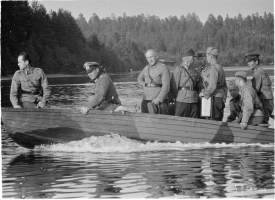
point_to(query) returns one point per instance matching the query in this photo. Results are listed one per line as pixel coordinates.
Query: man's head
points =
(252, 60)
(188, 58)
(93, 69)
(233, 89)
(23, 60)
(240, 78)
(151, 57)
(211, 54)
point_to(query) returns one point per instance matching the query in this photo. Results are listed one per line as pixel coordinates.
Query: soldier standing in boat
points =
(29, 86)
(251, 106)
(187, 81)
(262, 84)
(155, 79)
(214, 84)
(105, 96)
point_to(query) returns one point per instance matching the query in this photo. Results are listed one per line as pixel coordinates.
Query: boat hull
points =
(31, 127)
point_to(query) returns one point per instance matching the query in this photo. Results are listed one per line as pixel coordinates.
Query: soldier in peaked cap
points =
(214, 84)
(261, 83)
(187, 81)
(155, 79)
(251, 106)
(105, 95)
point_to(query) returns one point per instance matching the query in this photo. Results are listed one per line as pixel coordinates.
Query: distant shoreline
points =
(233, 68)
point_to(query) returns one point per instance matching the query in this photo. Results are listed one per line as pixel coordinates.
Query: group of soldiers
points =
(177, 93)
(250, 103)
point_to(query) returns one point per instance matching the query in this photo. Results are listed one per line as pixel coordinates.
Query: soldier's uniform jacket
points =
(214, 82)
(104, 93)
(157, 82)
(29, 85)
(262, 84)
(187, 84)
(250, 103)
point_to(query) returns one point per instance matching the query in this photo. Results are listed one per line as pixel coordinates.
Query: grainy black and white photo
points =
(137, 99)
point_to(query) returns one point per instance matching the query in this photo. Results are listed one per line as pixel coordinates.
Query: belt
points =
(152, 85)
(187, 88)
(29, 92)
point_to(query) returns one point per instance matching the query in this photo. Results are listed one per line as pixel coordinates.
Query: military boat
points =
(31, 127)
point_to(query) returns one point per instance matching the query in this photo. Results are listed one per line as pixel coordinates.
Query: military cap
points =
(212, 50)
(252, 56)
(90, 66)
(231, 85)
(241, 74)
(190, 52)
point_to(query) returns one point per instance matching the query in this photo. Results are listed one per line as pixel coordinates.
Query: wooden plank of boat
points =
(30, 127)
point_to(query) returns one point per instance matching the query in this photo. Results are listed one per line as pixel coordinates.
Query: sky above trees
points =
(162, 8)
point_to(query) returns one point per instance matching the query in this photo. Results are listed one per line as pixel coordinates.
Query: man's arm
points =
(141, 77)
(45, 87)
(247, 107)
(15, 85)
(165, 81)
(212, 84)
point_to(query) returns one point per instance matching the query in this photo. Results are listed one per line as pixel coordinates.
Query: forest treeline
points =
(53, 40)
(172, 36)
(58, 43)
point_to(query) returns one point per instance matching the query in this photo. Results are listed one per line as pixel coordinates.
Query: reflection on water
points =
(114, 166)
(210, 172)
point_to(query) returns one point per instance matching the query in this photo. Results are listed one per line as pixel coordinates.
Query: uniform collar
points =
(28, 70)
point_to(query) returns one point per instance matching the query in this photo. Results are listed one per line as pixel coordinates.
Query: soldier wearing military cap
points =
(187, 82)
(214, 84)
(251, 106)
(105, 95)
(261, 83)
(155, 79)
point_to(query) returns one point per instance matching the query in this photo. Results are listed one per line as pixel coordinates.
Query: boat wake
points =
(116, 143)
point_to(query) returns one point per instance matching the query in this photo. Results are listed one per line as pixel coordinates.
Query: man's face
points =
(151, 57)
(252, 64)
(234, 92)
(92, 75)
(187, 61)
(22, 64)
(208, 57)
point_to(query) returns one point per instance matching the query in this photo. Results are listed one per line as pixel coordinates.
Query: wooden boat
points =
(30, 127)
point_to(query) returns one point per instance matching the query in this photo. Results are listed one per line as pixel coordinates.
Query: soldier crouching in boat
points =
(262, 84)
(29, 86)
(155, 79)
(105, 95)
(251, 106)
(187, 81)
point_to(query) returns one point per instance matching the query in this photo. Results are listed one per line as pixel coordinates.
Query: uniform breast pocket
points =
(35, 81)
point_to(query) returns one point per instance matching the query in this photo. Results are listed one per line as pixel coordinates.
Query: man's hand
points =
(84, 110)
(17, 106)
(41, 104)
(243, 125)
(201, 94)
(156, 101)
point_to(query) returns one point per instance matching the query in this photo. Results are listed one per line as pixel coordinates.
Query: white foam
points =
(117, 143)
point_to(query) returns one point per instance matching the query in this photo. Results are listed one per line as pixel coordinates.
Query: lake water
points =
(114, 166)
